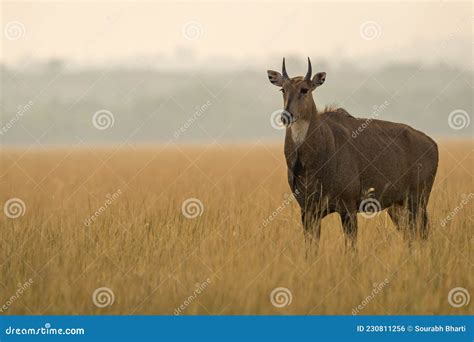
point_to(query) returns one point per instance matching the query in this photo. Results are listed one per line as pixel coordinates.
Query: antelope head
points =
(297, 91)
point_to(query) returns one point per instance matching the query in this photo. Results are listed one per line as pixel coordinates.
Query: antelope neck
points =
(299, 128)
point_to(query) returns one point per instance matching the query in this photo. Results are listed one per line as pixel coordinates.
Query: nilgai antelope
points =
(330, 169)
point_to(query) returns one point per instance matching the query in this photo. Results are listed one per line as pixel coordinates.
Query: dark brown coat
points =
(337, 163)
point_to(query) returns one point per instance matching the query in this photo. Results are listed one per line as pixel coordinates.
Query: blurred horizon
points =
(106, 72)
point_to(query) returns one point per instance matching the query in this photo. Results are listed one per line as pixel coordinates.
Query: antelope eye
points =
(304, 90)
(282, 90)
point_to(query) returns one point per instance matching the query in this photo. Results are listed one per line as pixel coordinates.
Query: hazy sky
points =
(104, 31)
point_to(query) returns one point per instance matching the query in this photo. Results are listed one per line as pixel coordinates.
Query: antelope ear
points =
(318, 79)
(275, 78)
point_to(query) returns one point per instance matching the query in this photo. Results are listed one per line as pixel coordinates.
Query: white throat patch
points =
(299, 129)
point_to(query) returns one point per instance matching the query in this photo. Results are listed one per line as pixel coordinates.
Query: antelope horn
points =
(308, 74)
(283, 70)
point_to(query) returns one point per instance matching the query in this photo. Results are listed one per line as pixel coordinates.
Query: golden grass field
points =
(151, 257)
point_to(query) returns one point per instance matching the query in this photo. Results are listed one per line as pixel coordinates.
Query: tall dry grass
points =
(151, 257)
